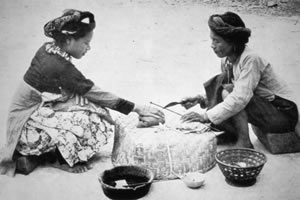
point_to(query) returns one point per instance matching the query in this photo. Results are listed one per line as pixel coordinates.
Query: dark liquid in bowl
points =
(130, 180)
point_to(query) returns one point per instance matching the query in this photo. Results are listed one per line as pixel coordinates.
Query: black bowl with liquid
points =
(136, 182)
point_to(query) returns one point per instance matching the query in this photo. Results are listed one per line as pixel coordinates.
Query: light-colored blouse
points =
(252, 75)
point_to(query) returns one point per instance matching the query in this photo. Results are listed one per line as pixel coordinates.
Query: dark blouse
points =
(49, 72)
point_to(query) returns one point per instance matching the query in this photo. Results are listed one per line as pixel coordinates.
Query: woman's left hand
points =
(195, 117)
(65, 95)
(148, 111)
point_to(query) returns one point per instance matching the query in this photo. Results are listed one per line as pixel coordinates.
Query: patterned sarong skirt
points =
(78, 135)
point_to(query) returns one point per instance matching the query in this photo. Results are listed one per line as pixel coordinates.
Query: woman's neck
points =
(55, 49)
(61, 46)
(235, 55)
(232, 58)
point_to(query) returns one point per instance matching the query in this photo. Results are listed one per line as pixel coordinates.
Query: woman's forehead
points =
(214, 35)
(88, 37)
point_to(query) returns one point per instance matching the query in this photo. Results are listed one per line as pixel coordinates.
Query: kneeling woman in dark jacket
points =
(44, 118)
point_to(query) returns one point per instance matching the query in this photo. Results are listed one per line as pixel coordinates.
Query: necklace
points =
(54, 49)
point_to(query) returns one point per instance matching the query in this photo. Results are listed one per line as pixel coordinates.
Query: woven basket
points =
(240, 165)
(166, 152)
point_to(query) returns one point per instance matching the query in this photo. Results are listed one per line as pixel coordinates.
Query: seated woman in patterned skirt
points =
(57, 114)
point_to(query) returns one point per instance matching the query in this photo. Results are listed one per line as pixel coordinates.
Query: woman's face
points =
(220, 46)
(78, 48)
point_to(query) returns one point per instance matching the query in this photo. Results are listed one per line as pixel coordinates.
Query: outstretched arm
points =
(107, 99)
(148, 115)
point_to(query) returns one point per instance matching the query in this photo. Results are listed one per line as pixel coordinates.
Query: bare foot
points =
(77, 168)
(89, 165)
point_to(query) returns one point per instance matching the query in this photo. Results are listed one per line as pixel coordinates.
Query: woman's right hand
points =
(81, 100)
(66, 95)
(189, 102)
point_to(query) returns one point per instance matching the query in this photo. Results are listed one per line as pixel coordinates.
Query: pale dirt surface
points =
(146, 50)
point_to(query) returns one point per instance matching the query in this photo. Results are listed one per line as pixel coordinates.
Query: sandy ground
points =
(145, 50)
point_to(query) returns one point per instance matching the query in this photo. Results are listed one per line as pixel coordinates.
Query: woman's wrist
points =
(205, 117)
(137, 108)
(124, 106)
(202, 101)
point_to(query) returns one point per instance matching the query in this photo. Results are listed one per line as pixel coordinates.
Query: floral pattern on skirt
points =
(78, 135)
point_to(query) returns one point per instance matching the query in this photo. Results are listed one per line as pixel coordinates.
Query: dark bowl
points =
(240, 166)
(137, 181)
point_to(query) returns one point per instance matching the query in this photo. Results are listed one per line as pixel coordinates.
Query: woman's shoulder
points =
(249, 53)
(250, 56)
(46, 59)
